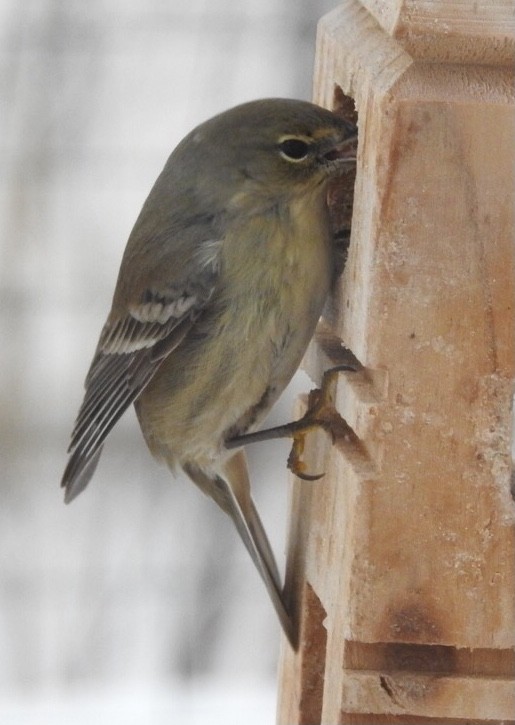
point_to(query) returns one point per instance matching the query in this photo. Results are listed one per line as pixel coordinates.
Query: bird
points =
(222, 282)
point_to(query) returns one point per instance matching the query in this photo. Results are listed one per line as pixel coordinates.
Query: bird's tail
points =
(232, 493)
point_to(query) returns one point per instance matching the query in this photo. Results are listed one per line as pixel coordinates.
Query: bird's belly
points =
(235, 364)
(186, 414)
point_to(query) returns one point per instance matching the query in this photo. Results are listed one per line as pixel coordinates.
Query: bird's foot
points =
(320, 413)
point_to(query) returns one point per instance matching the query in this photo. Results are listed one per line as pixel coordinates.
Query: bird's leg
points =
(320, 413)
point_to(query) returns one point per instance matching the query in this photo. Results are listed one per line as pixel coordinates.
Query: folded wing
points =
(130, 351)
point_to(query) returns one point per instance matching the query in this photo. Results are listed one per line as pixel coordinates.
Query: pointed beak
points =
(344, 152)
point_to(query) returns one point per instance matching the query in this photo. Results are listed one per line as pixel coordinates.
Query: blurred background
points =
(137, 604)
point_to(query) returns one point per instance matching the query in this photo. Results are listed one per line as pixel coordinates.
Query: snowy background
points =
(136, 604)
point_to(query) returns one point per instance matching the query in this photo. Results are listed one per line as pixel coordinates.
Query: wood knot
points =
(412, 623)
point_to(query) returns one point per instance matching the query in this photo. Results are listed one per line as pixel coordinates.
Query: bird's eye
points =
(294, 149)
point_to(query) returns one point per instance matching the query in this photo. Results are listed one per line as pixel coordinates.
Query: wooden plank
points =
(440, 324)
(405, 551)
(450, 30)
(429, 695)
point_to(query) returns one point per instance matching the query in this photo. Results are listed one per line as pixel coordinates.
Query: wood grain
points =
(408, 544)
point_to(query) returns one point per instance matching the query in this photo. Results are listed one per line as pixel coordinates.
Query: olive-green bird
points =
(221, 285)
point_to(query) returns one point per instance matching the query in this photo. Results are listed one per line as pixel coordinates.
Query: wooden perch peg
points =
(401, 558)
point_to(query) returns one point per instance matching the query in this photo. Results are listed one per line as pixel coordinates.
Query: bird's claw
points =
(320, 413)
(295, 464)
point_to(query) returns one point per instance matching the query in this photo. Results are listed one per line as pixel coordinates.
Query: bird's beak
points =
(344, 152)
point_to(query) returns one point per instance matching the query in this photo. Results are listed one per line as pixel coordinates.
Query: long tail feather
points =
(233, 496)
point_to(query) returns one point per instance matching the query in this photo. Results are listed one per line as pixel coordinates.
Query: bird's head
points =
(272, 147)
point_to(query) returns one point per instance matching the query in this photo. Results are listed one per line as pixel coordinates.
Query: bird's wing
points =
(131, 348)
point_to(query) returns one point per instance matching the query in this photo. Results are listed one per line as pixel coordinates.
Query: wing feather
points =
(130, 351)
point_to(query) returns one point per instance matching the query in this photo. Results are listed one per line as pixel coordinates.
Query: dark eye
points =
(294, 149)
